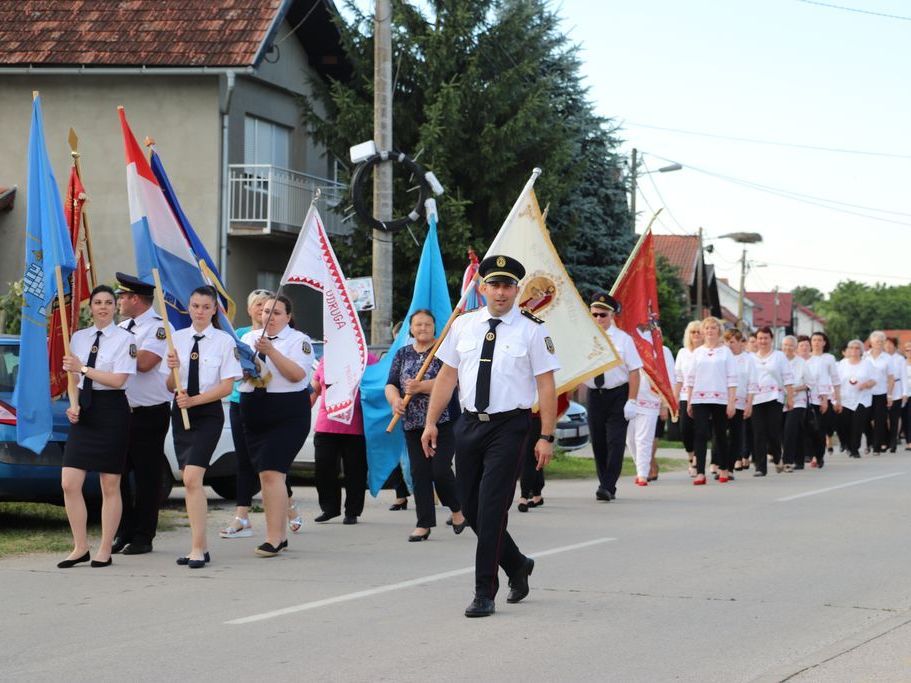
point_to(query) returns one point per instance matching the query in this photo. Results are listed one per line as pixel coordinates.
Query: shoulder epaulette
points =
(531, 316)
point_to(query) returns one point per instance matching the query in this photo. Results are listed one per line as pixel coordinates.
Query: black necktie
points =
(482, 388)
(131, 325)
(193, 375)
(599, 381)
(262, 356)
(85, 395)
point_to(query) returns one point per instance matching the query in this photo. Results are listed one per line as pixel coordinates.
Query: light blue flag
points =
(47, 245)
(386, 450)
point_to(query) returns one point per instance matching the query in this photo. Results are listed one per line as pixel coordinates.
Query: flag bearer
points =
(500, 357)
(150, 403)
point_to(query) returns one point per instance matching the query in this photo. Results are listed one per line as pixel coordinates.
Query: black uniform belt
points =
(157, 406)
(494, 417)
(604, 390)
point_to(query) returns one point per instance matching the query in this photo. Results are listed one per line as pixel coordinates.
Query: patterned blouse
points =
(405, 365)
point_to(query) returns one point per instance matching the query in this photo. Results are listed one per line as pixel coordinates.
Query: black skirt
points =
(195, 447)
(275, 427)
(98, 442)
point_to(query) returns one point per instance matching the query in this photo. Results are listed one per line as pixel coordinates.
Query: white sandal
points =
(231, 531)
(296, 524)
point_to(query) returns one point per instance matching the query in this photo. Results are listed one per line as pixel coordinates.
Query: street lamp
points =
(743, 238)
(634, 173)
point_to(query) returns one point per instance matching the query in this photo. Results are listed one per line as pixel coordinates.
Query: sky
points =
(776, 71)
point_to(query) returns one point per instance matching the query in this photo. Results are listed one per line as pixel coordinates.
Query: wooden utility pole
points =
(743, 279)
(633, 165)
(700, 276)
(381, 320)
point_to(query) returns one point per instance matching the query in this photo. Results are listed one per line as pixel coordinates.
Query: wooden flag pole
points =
(635, 251)
(436, 345)
(159, 295)
(73, 139)
(71, 389)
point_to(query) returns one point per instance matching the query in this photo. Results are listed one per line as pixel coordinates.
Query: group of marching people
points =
(753, 403)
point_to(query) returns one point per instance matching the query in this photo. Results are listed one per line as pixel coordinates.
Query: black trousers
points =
(397, 481)
(766, 434)
(710, 422)
(877, 430)
(531, 481)
(146, 460)
(488, 459)
(895, 418)
(686, 428)
(736, 436)
(429, 473)
(906, 423)
(351, 451)
(853, 424)
(816, 439)
(607, 427)
(794, 437)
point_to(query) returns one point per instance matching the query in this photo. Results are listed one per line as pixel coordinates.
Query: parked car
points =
(572, 428)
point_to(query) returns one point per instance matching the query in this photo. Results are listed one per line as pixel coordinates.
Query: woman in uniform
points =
(103, 356)
(275, 411)
(692, 338)
(207, 364)
(427, 474)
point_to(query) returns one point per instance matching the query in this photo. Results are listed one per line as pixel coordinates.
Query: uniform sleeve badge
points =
(236, 353)
(549, 343)
(306, 348)
(133, 350)
(160, 334)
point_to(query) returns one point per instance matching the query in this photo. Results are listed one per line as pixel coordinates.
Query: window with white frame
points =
(266, 143)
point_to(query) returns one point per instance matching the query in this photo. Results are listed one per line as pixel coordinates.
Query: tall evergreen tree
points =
(484, 91)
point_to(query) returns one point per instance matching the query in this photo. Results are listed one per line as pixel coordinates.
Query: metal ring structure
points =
(358, 190)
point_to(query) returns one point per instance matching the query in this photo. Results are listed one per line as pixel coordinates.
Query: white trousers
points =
(640, 435)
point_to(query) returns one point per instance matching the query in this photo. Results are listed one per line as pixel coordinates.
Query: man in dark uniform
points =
(503, 361)
(611, 399)
(149, 400)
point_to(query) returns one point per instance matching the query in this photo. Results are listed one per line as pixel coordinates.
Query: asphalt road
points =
(800, 577)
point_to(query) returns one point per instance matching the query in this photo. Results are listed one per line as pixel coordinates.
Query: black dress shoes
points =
(459, 528)
(603, 495)
(137, 549)
(523, 507)
(325, 517)
(533, 504)
(349, 519)
(480, 607)
(97, 563)
(195, 564)
(119, 544)
(417, 538)
(66, 564)
(518, 584)
(399, 506)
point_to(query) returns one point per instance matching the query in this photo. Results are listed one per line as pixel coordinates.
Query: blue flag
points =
(47, 247)
(386, 450)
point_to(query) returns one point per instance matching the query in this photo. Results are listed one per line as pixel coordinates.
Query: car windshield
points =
(9, 368)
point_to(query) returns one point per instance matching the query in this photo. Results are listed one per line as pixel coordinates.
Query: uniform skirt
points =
(98, 442)
(196, 445)
(275, 427)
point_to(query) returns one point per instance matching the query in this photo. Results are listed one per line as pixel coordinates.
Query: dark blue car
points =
(25, 476)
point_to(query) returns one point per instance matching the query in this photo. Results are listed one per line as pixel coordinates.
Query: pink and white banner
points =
(313, 264)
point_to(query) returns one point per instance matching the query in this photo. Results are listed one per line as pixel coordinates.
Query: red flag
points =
(79, 284)
(637, 291)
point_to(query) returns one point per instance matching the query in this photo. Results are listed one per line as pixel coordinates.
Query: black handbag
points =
(811, 418)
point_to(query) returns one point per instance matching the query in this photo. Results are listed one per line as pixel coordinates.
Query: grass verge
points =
(565, 466)
(43, 528)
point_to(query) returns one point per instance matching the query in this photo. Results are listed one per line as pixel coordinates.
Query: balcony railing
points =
(263, 199)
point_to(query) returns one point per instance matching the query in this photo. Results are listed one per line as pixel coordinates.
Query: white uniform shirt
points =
(712, 372)
(881, 370)
(681, 368)
(523, 350)
(746, 378)
(898, 372)
(148, 388)
(217, 357)
(852, 375)
(116, 352)
(629, 360)
(802, 378)
(773, 375)
(648, 402)
(294, 345)
(823, 377)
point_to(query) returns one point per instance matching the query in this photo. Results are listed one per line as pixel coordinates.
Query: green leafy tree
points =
(807, 296)
(673, 303)
(854, 309)
(484, 91)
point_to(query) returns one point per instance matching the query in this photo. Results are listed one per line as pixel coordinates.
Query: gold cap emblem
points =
(501, 261)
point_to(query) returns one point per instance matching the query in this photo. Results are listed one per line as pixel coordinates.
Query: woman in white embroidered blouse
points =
(897, 365)
(857, 381)
(794, 433)
(711, 400)
(746, 386)
(692, 339)
(825, 395)
(877, 428)
(774, 380)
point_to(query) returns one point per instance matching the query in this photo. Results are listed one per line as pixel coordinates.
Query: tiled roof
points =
(809, 313)
(767, 313)
(680, 251)
(163, 33)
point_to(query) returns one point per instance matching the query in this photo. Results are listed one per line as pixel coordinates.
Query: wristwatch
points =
(84, 369)
(549, 438)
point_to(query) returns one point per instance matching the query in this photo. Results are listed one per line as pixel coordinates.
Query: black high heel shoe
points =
(459, 528)
(399, 506)
(416, 538)
(66, 564)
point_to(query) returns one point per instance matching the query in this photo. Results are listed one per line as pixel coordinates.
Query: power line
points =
(855, 9)
(775, 143)
(660, 197)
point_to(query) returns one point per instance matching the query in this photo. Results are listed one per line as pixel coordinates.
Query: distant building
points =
(774, 310)
(806, 321)
(730, 299)
(683, 252)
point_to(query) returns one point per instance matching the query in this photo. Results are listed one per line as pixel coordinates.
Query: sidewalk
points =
(586, 452)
